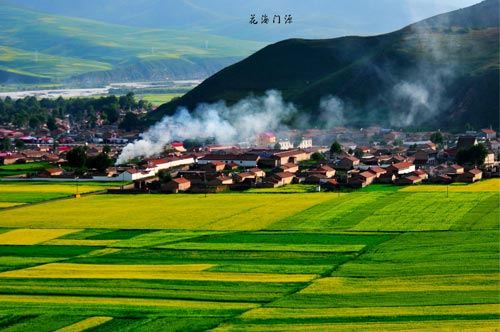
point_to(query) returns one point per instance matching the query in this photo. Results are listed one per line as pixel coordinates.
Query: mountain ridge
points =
(431, 73)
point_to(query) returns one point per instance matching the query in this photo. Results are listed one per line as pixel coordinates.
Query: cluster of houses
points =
(214, 168)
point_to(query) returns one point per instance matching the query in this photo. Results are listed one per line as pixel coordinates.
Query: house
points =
(466, 142)
(394, 135)
(386, 178)
(487, 134)
(258, 172)
(305, 143)
(454, 170)
(330, 185)
(367, 177)
(242, 160)
(347, 162)
(426, 157)
(290, 156)
(401, 168)
(240, 177)
(51, 172)
(133, 174)
(408, 180)
(231, 166)
(12, 158)
(378, 171)
(470, 176)
(420, 173)
(442, 179)
(323, 170)
(215, 166)
(285, 145)
(289, 167)
(283, 178)
(316, 178)
(220, 180)
(266, 139)
(176, 185)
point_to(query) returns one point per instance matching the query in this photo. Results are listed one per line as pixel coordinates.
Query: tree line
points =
(32, 113)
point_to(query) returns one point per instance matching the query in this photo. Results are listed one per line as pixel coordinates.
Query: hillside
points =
(442, 71)
(58, 48)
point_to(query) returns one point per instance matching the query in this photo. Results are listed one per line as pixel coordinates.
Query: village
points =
(330, 160)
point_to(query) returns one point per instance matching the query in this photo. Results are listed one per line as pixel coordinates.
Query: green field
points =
(404, 259)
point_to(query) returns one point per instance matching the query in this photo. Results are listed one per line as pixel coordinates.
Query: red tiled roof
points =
(402, 165)
(475, 171)
(180, 180)
(367, 174)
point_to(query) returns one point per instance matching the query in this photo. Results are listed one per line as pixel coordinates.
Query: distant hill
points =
(55, 48)
(442, 72)
(315, 19)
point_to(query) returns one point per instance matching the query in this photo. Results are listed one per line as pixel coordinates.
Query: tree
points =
(5, 144)
(19, 143)
(77, 157)
(358, 153)
(316, 156)
(277, 146)
(437, 138)
(475, 155)
(100, 162)
(130, 122)
(51, 123)
(335, 149)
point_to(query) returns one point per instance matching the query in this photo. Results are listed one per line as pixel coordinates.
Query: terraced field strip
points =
(296, 314)
(160, 237)
(265, 247)
(32, 236)
(164, 272)
(85, 324)
(71, 242)
(224, 212)
(423, 283)
(489, 185)
(414, 326)
(18, 300)
(34, 192)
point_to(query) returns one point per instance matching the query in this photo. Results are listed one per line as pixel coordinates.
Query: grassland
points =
(397, 259)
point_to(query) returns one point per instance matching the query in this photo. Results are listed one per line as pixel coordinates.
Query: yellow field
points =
(466, 282)
(72, 242)
(215, 212)
(481, 186)
(32, 236)
(4, 205)
(427, 326)
(304, 313)
(85, 324)
(124, 301)
(70, 188)
(163, 272)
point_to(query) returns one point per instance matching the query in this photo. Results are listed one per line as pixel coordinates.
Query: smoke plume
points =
(332, 111)
(240, 122)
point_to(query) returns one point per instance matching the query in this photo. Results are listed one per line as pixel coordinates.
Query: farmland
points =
(416, 258)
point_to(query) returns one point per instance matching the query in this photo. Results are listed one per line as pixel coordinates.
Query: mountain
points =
(230, 18)
(442, 72)
(44, 47)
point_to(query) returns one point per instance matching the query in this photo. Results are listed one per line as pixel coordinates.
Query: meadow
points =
(385, 259)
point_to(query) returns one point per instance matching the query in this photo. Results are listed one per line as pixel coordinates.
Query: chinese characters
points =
(276, 19)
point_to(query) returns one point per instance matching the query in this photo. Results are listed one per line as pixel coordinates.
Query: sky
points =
(311, 18)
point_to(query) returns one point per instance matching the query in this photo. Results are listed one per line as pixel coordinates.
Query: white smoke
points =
(226, 124)
(332, 111)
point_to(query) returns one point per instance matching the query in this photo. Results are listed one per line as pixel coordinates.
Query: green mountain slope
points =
(442, 72)
(58, 47)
